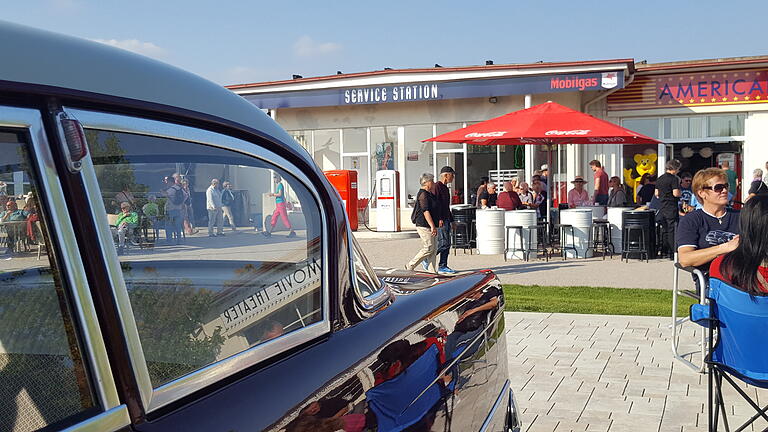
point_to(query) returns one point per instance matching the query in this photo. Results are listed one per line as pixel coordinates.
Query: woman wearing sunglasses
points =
(709, 231)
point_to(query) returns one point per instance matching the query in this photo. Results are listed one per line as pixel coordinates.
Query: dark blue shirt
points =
(702, 230)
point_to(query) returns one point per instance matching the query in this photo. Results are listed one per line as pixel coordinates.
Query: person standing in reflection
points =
(173, 205)
(187, 214)
(578, 196)
(424, 209)
(281, 209)
(227, 201)
(213, 205)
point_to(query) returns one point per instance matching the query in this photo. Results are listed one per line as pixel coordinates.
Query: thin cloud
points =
(305, 46)
(148, 49)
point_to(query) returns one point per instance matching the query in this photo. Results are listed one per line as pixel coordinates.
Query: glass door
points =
(458, 161)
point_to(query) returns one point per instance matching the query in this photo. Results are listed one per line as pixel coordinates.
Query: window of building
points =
(646, 126)
(725, 125)
(303, 138)
(203, 283)
(683, 127)
(445, 128)
(327, 148)
(355, 157)
(418, 158)
(383, 149)
(44, 382)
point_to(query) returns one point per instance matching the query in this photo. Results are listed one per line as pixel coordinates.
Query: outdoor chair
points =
(738, 352)
(699, 294)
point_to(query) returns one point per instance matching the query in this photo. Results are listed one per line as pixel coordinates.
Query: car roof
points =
(38, 57)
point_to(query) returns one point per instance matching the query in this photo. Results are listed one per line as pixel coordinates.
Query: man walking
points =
(601, 183)
(214, 207)
(444, 220)
(668, 192)
(227, 201)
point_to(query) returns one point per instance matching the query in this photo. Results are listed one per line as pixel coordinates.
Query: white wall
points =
(755, 147)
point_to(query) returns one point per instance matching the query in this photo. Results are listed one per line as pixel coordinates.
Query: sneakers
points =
(266, 234)
(425, 265)
(446, 271)
(220, 235)
(292, 234)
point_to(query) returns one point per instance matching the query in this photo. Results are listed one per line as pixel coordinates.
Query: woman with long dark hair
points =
(747, 266)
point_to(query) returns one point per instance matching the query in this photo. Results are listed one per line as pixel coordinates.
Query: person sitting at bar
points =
(757, 187)
(487, 198)
(539, 199)
(126, 220)
(16, 231)
(647, 189)
(746, 267)
(578, 196)
(526, 196)
(706, 233)
(616, 197)
(509, 199)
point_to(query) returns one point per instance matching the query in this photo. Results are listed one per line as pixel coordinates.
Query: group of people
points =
(515, 196)
(18, 223)
(219, 200)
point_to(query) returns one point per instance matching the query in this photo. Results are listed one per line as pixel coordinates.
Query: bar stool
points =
(541, 231)
(562, 243)
(519, 229)
(461, 237)
(601, 237)
(630, 245)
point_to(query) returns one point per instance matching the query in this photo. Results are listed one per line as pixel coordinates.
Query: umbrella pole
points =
(550, 182)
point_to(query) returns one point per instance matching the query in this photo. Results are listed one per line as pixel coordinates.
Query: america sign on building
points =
(693, 89)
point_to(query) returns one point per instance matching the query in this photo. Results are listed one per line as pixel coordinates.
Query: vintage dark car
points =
(126, 303)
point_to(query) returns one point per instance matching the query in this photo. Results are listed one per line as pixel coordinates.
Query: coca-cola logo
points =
(485, 134)
(566, 133)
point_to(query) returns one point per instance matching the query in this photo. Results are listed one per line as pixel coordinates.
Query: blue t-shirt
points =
(702, 230)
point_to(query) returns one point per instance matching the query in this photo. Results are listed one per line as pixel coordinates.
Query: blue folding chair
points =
(740, 350)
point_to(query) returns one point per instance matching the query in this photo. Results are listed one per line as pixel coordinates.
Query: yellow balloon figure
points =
(644, 164)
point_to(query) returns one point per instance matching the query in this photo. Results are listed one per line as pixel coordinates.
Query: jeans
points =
(173, 225)
(443, 244)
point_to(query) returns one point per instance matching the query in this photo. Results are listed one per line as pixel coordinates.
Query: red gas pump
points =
(345, 181)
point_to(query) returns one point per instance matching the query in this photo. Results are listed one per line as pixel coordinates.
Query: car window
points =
(43, 379)
(219, 251)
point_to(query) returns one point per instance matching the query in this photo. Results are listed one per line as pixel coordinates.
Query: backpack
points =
(177, 198)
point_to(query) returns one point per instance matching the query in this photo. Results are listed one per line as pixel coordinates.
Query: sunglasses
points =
(717, 188)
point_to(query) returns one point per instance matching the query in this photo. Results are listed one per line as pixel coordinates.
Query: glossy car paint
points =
(271, 395)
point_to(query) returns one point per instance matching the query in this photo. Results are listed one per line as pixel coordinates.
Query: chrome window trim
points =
(380, 296)
(111, 420)
(153, 399)
(495, 407)
(60, 226)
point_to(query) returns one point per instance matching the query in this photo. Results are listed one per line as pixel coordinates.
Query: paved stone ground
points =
(608, 373)
(394, 253)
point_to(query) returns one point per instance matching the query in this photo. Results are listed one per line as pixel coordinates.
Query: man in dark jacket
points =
(444, 218)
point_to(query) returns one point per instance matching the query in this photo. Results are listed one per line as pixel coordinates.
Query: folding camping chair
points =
(741, 348)
(699, 294)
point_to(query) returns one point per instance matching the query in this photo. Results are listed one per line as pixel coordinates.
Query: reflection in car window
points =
(366, 279)
(220, 251)
(42, 375)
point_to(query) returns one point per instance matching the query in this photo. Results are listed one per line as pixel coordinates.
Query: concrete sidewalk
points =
(395, 253)
(575, 372)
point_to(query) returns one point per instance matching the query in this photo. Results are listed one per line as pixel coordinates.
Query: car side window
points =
(220, 251)
(43, 377)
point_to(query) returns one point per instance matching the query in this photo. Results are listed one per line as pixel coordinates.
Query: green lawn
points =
(593, 300)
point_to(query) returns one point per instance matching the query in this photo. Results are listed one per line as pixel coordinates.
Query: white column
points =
(661, 161)
(530, 150)
(401, 164)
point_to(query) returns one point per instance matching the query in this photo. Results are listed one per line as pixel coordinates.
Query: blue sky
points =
(248, 41)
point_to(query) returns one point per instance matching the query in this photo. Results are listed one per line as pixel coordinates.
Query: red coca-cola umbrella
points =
(546, 124)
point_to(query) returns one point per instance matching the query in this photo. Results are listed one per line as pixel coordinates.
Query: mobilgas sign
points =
(439, 90)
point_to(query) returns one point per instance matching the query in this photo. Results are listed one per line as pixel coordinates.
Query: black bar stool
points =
(461, 237)
(541, 231)
(514, 248)
(601, 237)
(565, 231)
(633, 240)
